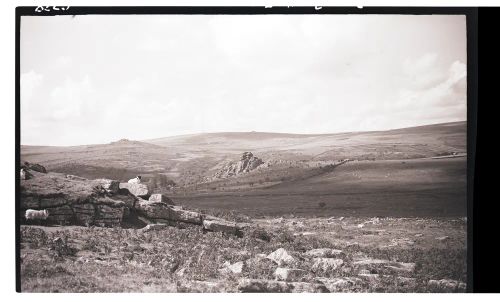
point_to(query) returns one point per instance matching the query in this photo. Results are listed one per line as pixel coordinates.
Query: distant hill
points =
(440, 136)
(191, 158)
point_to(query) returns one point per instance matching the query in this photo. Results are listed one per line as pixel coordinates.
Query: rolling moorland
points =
(386, 209)
(389, 173)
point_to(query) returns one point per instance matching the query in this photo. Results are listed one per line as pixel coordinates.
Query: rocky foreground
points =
(274, 255)
(106, 236)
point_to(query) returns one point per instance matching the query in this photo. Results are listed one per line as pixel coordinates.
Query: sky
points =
(100, 78)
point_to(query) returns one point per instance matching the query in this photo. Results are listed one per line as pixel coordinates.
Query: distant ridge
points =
(263, 135)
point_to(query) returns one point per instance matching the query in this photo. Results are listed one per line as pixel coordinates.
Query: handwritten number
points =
(39, 9)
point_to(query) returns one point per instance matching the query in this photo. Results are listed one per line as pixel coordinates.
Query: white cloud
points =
(68, 100)
(30, 81)
(153, 76)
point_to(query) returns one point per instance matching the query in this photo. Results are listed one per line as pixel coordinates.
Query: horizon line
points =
(145, 140)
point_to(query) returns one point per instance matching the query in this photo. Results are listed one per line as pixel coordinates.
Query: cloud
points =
(155, 76)
(414, 104)
(68, 100)
(30, 82)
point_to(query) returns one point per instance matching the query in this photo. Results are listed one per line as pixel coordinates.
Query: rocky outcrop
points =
(161, 198)
(153, 209)
(75, 201)
(139, 190)
(34, 167)
(247, 163)
(84, 213)
(160, 211)
(110, 186)
(106, 202)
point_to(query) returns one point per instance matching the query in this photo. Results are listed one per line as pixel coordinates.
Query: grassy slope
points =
(425, 139)
(181, 153)
(415, 188)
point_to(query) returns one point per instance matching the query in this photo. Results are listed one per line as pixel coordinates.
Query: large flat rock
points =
(139, 190)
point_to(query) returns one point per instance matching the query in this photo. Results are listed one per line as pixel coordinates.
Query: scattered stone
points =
(373, 221)
(181, 272)
(304, 234)
(369, 261)
(343, 284)
(402, 241)
(161, 198)
(220, 226)
(154, 227)
(269, 286)
(196, 286)
(405, 281)
(288, 274)
(281, 257)
(260, 260)
(442, 238)
(370, 277)
(326, 264)
(401, 267)
(447, 284)
(236, 268)
(74, 177)
(324, 253)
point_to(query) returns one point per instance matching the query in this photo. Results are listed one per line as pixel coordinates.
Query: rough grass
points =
(93, 259)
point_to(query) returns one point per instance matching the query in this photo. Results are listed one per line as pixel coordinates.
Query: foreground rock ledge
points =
(105, 202)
